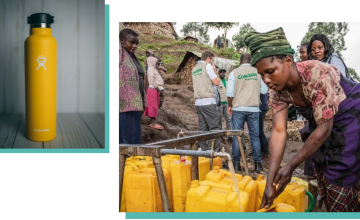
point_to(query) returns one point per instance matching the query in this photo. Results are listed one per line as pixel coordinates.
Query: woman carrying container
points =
(329, 102)
(156, 87)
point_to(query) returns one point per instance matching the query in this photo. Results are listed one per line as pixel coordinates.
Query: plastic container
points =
(204, 166)
(244, 183)
(169, 158)
(293, 195)
(278, 207)
(180, 180)
(261, 184)
(304, 184)
(217, 161)
(142, 191)
(141, 162)
(206, 196)
(129, 168)
(40, 79)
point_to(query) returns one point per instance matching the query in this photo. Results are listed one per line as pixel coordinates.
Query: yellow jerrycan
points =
(217, 161)
(204, 166)
(279, 207)
(180, 179)
(294, 194)
(261, 184)
(244, 183)
(142, 191)
(206, 196)
(40, 79)
(141, 161)
(129, 168)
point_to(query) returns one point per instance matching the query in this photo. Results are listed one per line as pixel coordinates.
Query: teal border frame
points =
(186, 12)
(115, 13)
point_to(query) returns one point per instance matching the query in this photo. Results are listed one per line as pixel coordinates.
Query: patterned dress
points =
(337, 161)
(129, 91)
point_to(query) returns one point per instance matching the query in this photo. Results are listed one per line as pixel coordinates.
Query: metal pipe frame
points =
(194, 163)
(162, 184)
(207, 153)
(237, 133)
(154, 150)
(121, 175)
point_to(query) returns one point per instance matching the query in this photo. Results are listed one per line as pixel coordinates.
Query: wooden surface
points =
(74, 130)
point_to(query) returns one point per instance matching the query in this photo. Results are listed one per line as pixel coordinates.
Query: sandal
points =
(157, 126)
(303, 176)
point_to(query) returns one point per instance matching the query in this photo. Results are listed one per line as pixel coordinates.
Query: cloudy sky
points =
(295, 31)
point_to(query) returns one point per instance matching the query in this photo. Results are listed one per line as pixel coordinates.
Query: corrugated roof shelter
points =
(188, 63)
(191, 38)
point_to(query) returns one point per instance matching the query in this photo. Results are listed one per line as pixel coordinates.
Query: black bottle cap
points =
(40, 18)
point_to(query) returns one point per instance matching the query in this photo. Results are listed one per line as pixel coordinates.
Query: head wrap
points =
(150, 52)
(267, 44)
(151, 61)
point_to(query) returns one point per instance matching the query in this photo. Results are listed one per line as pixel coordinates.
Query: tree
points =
(335, 31)
(353, 74)
(222, 25)
(238, 38)
(196, 29)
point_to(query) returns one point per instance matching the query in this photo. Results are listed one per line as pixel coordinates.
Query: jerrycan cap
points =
(260, 177)
(40, 18)
(216, 169)
(182, 159)
(194, 184)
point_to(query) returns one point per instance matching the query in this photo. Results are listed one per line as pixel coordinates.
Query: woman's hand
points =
(273, 190)
(282, 178)
(268, 197)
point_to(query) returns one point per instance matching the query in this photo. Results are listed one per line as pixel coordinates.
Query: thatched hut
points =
(191, 38)
(185, 68)
(161, 28)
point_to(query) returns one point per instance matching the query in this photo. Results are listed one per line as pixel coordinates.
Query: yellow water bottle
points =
(40, 79)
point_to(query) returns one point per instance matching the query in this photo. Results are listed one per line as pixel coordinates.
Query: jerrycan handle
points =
(311, 206)
(220, 186)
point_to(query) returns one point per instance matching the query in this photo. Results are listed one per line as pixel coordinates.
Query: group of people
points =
(133, 82)
(319, 88)
(319, 48)
(220, 42)
(243, 98)
(326, 96)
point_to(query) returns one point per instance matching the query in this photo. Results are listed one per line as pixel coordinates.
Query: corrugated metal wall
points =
(79, 31)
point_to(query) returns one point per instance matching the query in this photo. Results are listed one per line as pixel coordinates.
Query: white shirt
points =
(212, 75)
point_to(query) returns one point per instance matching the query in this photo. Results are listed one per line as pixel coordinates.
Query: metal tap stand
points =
(237, 133)
(157, 148)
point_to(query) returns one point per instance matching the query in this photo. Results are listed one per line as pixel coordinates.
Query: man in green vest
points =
(223, 98)
(204, 78)
(243, 94)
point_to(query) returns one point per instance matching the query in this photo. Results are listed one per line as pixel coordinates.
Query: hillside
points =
(172, 51)
(178, 111)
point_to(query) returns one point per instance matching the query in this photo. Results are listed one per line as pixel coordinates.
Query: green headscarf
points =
(267, 44)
